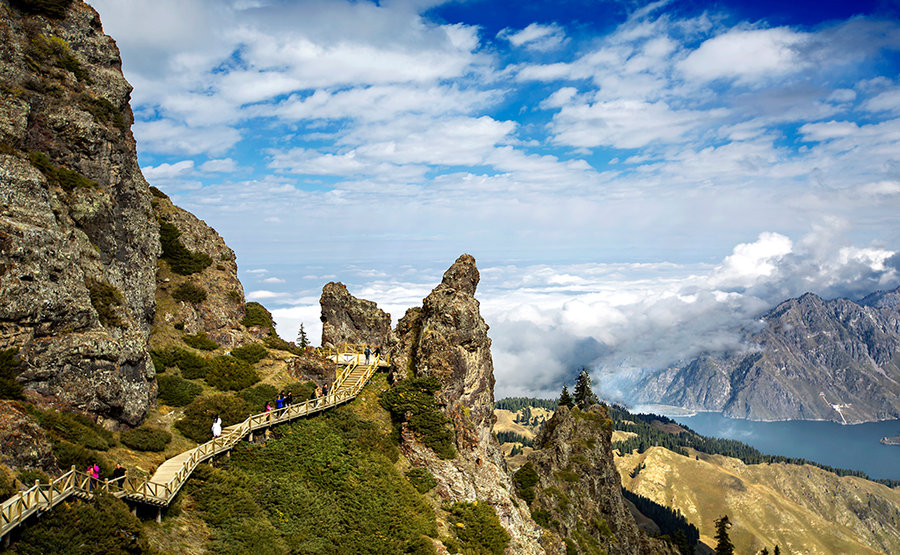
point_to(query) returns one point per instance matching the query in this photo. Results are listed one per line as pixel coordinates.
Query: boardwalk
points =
(170, 476)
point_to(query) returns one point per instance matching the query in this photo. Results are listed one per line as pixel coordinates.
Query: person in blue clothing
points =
(368, 352)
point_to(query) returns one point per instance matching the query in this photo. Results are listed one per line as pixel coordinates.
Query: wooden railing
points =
(44, 496)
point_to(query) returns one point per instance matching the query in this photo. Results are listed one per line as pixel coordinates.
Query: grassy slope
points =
(800, 508)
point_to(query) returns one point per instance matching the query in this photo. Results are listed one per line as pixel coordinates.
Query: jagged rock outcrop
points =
(579, 489)
(312, 367)
(447, 339)
(78, 240)
(220, 312)
(347, 319)
(811, 359)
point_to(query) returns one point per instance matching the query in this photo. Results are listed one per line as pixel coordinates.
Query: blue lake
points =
(855, 447)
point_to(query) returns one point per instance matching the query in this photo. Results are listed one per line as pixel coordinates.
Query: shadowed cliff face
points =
(447, 339)
(347, 319)
(806, 347)
(78, 240)
(579, 486)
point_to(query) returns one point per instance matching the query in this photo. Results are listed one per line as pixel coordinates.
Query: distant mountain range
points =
(810, 359)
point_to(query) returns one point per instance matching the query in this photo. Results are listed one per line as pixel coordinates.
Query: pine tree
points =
(565, 400)
(302, 339)
(723, 542)
(584, 397)
(777, 550)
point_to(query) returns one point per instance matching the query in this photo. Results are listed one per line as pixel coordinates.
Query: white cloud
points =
(262, 294)
(747, 55)
(887, 101)
(273, 280)
(828, 130)
(166, 136)
(536, 36)
(165, 172)
(221, 165)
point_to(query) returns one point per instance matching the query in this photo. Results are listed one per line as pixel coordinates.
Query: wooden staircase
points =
(353, 374)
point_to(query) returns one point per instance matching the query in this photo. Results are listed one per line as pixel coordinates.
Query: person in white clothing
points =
(217, 427)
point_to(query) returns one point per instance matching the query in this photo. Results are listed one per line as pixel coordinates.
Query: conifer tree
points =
(565, 400)
(302, 339)
(584, 397)
(777, 550)
(723, 542)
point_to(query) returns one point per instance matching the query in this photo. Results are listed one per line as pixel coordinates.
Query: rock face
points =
(346, 319)
(220, 313)
(23, 443)
(812, 360)
(579, 486)
(78, 240)
(447, 339)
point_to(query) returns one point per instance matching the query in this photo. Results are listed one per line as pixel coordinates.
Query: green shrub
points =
(421, 479)
(178, 326)
(53, 51)
(7, 482)
(146, 438)
(228, 373)
(65, 178)
(257, 397)
(76, 428)
(101, 525)
(157, 193)
(272, 341)
(252, 353)
(51, 8)
(103, 111)
(68, 455)
(542, 517)
(192, 366)
(235, 296)
(7, 149)
(525, 479)
(200, 341)
(180, 259)
(9, 369)
(177, 392)
(301, 390)
(28, 477)
(256, 315)
(199, 415)
(316, 487)
(478, 528)
(105, 298)
(189, 293)
(412, 400)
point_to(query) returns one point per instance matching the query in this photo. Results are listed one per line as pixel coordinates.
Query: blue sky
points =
(636, 180)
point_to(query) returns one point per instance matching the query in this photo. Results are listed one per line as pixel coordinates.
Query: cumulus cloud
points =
(536, 36)
(746, 55)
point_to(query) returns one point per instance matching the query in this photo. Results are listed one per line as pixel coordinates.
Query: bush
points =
(28, 477)
(76, 428)
(257, 397)
(103, 111)
(65, 178)
(252, 353)
(191, 365)
(200, 341)
(177, 392)
(415, 397)
(68, 454)
(50, 8)
(421, 479)
(189, 293)
(105, 298)
(7, 482)
(478, 528)
(180, 259)
(9, 369)
(101, 525)
(146, 438)
(157, 193)
(229, 373)
(256, 315)
(525, 479)
(272, 341)
(199, 415)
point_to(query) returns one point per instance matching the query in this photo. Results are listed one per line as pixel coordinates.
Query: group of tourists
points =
(369, 352)
(93, 471)
(282, 400)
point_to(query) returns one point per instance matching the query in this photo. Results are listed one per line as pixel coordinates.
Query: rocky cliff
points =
(578, 494)
(811, 359)
(447, 339)
(347, 319)
(78, 238)
(218, 310)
